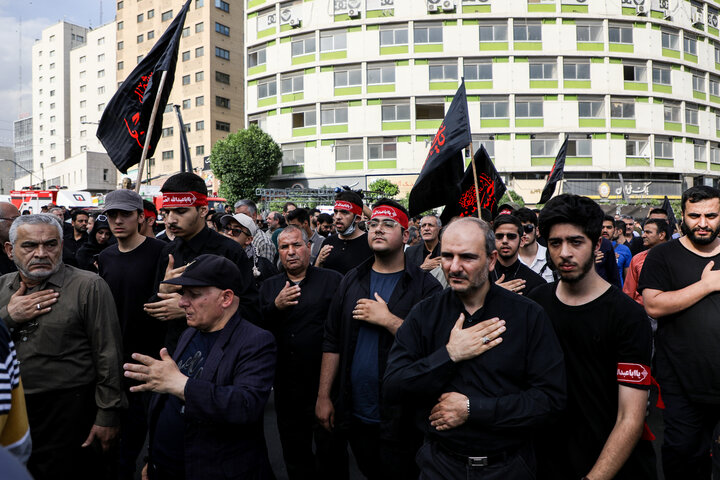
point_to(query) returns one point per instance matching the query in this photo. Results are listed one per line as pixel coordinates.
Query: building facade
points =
(208, 81)
(355, 90)
(23, 146)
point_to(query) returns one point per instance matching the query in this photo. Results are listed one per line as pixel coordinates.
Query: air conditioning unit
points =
(641, 9)
(698, 18)
(294, 22)
(666, 15)
(432, 7)
(448, 6)
(353, 13)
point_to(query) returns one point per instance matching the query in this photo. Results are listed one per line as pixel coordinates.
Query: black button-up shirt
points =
(515, 271)
(299, 329)
(513, 388)
(209, 241)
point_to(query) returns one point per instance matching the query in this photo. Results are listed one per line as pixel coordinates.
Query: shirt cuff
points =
(482, 409)
(9, 322)
(107, 418)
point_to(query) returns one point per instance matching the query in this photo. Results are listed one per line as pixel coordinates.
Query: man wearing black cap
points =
(185, 209)
(206, 420)
(129, 267)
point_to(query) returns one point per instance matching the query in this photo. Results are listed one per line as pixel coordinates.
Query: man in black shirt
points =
(8, 213)
(607, 341)
(509, 272)
(294, 305)
(478, 396)
(426, 254)
(129, 267)
(367, 309)
(185, 209)
(349, 248)
(76, 236)
(680, 286)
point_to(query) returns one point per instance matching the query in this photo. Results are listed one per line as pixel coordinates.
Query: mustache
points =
(459, 275)
(44, 263)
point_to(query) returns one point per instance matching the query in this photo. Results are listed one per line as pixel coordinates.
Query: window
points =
(199, 101)
(293, 155)
(200, 150)
(140, 38)
(393, 35)
(52, 93)
(484, 140)
(222, 29)
(637, 147)
(348, 78)
(622, 109)
(579, 147)
(150, 35)
(185, 56)
(199, 3)
(52, 106)
(199, 27)
(101, 57)
(527, 31)
(591, 107)
(477, 71)
(186, 32)
(698, 83)
(101, 107)
(428, 33)
(689, 44)
(120, 45)
(257, 57)
(222, 78)
(380, 74)
(528, 107)
(493, 32)
(543, 147)
(222, 53)
(140, 17)
(101, 90)
(120, 25)
(83, 88)
(52, 80)
(714, 155)
(429, 108)
(333, 41)
(150, 14)
(394, 112)
(186, 104)
(714, 86)
(199, 52)
(292, 83)
(52, 53)
(224, 6)
(661, 74)
(383, 148)
(494, 108)
(82, 59)
(200, 125)
(52, 66)
(543, 71)
(120, 5)
(670, 40)
(621, 33)
(199, 76)
(303, 46)
(699, 152)
(167, 132)
(120, 65)
(166, 16)
(672, 112)
(634, 73)
(334, 114)
(167, 155)
(267, 88)
(305, 118)
(691, 115)
(589, 33)
(717, 53)
(576, 69)
(186, 80)
(663, 148)
(443, 72)
(222, 102)
(350, 150)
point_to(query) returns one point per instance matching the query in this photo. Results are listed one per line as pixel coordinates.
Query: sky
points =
(21, 22)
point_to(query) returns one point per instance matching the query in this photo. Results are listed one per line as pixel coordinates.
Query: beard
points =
(699, 240)
(480, 280)
(38, 275)
(575, 277)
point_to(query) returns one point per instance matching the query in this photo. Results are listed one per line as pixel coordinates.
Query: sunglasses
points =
(528, 228)
(101, 218)
(510, 236)
(235, 232)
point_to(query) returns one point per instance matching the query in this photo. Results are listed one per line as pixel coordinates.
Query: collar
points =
(196, 243)
(57, 279)
(308, 274)
(455, 300)
(410, 273)
(315, 237)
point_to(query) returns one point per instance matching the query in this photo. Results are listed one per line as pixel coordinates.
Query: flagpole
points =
(148, 134)
(477, 187)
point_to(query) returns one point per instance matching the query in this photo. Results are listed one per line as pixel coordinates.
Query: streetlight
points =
(42, 170)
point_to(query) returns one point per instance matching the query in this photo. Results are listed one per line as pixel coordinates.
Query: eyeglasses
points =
(388, 224)
(235, 232)
(510, 236)
(28, 328)
(528, 228)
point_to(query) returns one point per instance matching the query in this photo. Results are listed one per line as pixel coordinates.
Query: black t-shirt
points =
(346, 254)
(606, 342)
(131, 277)
(687, 342)
(167, 449)
(515, 271)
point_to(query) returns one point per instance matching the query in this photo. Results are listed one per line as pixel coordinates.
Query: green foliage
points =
(385, 187)
(511, 197)
(244, 161)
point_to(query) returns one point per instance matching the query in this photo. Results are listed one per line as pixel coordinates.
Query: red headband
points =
(183, 199)
(348, 206)
(149, 213)
(392, 212)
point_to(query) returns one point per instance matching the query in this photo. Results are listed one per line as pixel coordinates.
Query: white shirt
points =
(538, 263)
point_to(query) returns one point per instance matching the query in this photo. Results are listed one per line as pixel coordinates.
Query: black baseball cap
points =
(210, 271)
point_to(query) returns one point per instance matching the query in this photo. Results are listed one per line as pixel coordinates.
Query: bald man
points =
(8, 213)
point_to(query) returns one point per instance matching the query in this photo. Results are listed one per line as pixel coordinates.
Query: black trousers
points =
(60, 421)
(133, 431)
(436, 464)
(381, 458)
(688, 438)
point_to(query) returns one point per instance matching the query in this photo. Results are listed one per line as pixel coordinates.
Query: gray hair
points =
(437, 219)
(55, 209)
(252, 208)
(484, 226)
(36, 219)
(292, 228)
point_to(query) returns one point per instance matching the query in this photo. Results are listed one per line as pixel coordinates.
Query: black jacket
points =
(415, 255)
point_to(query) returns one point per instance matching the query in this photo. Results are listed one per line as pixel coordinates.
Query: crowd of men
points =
(516, 347)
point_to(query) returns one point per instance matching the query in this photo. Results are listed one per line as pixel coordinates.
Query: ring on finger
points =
(38, 307)
(485, 340)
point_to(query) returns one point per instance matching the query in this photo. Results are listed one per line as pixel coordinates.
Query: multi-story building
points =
(23, 146)
(208, 80)
(355, 90)
(7, 170)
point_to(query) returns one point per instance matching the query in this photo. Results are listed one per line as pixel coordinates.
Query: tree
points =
(244, 161)
(511, 196)
(385, 187)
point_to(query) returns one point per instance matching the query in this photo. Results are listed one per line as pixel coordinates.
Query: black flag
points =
(490, 185)
(670, 213)
(185, 163)
(439, 180)
(556, 174)
(126, 119)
